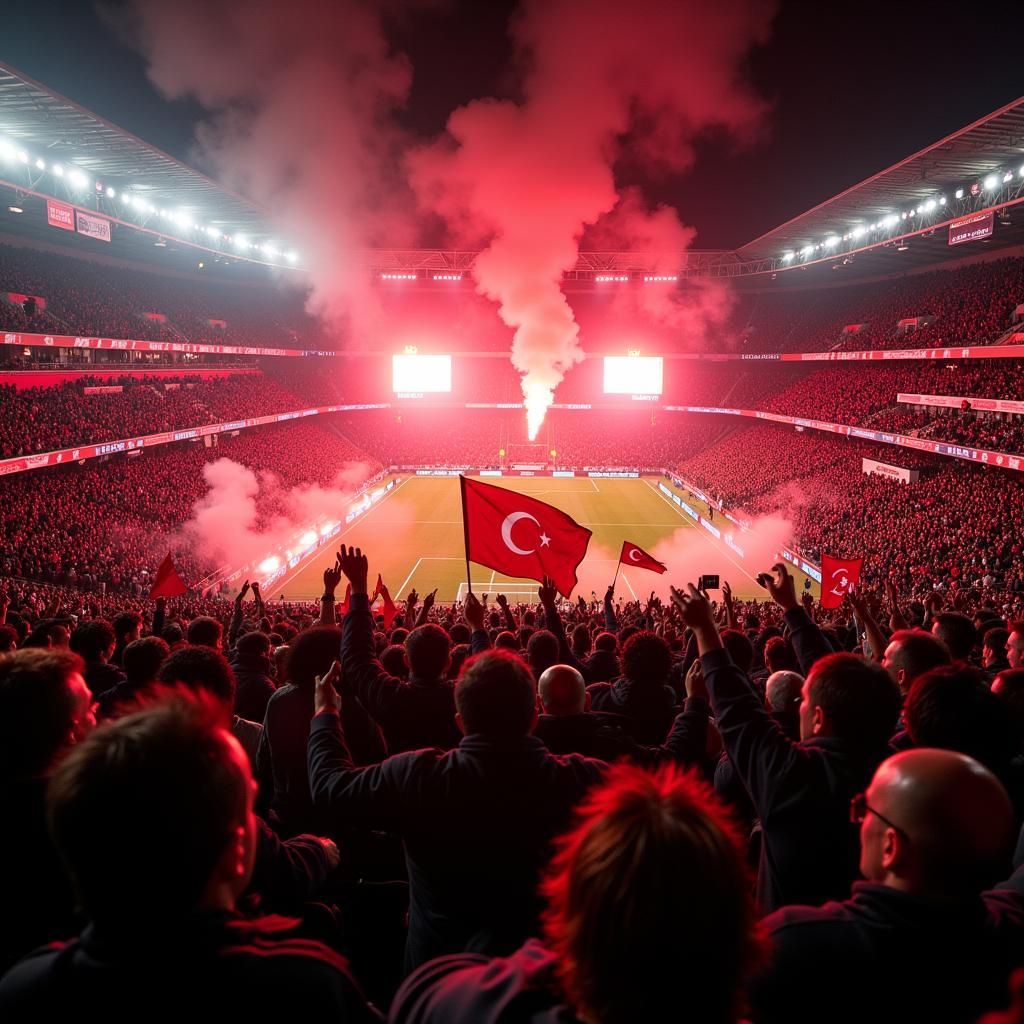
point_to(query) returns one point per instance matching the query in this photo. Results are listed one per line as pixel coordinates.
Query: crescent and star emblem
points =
(633, 555)
(506, 533)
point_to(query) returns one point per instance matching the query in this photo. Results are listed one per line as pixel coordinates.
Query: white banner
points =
(958, 402)
(94, 227)
(907, 476)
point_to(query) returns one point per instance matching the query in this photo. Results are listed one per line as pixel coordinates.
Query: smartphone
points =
(709, 583)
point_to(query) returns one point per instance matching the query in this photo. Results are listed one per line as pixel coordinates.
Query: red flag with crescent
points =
(838, 577)
(634, 555)
(520, 536)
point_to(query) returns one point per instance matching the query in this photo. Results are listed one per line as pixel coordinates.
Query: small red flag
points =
(521, 536)
(343, 610)
(636, 556)
(838, 577)
(167, 582)
(389, 610)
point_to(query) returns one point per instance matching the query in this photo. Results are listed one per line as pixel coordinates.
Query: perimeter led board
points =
(419, 375)
(633, 375)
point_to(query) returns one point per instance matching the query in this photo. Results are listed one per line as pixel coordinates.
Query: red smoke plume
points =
(302, 97)
(529, 176)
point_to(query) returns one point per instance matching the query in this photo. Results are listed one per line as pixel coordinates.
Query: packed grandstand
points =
(876, 408)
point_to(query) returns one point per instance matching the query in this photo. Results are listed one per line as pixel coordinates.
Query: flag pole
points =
(465, 532)
(616, 577)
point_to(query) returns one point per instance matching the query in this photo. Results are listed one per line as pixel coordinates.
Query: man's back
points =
(477, 822)
(211, 963)
(884, 955)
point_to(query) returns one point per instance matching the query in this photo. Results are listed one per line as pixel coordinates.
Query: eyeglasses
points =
(860, 809)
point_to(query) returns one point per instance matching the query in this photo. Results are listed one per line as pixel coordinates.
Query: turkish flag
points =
(390, 611)
(167, 582)
(634, 555)
(838, 577)
(521, 536)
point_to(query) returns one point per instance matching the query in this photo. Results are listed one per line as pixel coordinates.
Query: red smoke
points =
(302, 97)
(529, 176)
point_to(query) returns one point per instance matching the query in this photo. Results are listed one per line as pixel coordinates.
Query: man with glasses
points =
(923, 937)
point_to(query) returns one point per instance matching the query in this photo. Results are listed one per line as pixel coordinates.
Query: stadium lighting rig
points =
(129, 199)
(934, 206)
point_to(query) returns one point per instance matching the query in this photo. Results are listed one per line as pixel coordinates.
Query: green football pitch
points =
(414, 537)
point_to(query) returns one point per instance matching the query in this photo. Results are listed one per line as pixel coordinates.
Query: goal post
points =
(517, 593)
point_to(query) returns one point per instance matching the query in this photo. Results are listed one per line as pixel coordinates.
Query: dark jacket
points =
(522, 988)
(476, 822)
(601, 667)
(101, 676)
(800, 791)
(213, 965)
(884, 955)
(412, 715)
(281, 762)
(606, 737)
(35, 892)
(255, 685)
(648, 710)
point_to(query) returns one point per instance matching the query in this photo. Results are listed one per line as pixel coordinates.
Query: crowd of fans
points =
(600, 812)
(86, 297)
(971, 305)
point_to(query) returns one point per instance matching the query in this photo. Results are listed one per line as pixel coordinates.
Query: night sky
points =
(854, 89)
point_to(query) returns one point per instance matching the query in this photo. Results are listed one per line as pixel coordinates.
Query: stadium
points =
(739, 527)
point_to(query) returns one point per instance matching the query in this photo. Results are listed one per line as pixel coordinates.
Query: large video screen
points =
(633, 375)
(418, 375)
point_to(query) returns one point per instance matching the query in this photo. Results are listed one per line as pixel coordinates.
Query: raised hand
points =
(325, 694)
(609, 594)
(332, 577)
(428, 601)
(547, 592)
(474, 612)
(781, 586)
(727, 593)
(808, 602)
(240, 596)
(695, 684)
(502, 601)
(354, 565)
(694, 608)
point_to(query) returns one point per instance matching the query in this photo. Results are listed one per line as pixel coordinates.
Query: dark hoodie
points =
(648, 710)
(255, 685)
(884, 955)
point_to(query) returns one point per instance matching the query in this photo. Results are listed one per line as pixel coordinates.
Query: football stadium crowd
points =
(380, 807)
(496, 811)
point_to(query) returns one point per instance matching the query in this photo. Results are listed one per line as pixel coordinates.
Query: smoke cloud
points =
(527, 176)
(302, 98)
(245, 517)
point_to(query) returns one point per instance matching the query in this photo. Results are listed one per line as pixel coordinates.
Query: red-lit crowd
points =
(560, 810)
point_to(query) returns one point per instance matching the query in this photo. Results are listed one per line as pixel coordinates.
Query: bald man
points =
(567, 725)
(920, 938)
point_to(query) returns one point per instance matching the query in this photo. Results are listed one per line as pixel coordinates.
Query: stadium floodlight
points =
(930, 205)
(942, 200)
(7, 151)
(293, 257)
(78, 179)
(58, 170)
(831, 240)
(1022, 171)
(959, 193)
(23, 156)
(787, 256)
(111, 192)
(858, 231)
(241, 242)
(41, 164)
(990, 182)
(270, 251)
(1008, 176)
(807, 250)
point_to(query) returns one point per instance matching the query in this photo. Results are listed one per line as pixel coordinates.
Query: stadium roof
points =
(986, 145)
(37, 116)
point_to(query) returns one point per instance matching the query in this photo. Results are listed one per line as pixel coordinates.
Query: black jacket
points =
(101, 676)
(800, 791)
(412, 715)
(476, 822)
(211, 966)
(255, 685)
(884, 955)
(648, 709)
